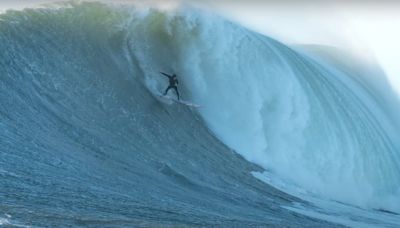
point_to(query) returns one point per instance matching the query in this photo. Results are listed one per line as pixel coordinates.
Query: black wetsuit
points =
(173, 82)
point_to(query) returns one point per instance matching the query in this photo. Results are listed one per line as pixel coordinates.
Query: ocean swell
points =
(86, 141)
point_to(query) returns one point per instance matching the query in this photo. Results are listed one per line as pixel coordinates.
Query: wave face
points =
(85, 141)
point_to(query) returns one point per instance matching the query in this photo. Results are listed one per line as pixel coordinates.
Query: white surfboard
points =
(187, 103)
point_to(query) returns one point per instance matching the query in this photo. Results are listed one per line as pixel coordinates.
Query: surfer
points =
(173, 82)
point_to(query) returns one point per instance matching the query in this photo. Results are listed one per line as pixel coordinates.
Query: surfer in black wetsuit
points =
(173, 82)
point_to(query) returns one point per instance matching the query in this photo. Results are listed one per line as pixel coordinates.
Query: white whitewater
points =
(310, 123)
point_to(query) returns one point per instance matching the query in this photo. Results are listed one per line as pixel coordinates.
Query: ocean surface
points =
(284, 137)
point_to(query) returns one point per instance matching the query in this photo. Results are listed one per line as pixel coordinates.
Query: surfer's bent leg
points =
(166, 91)
(177, 92)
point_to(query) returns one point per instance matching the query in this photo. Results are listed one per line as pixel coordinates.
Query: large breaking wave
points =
(85, 140)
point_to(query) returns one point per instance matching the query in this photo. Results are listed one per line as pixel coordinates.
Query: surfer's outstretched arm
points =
(166, 74)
